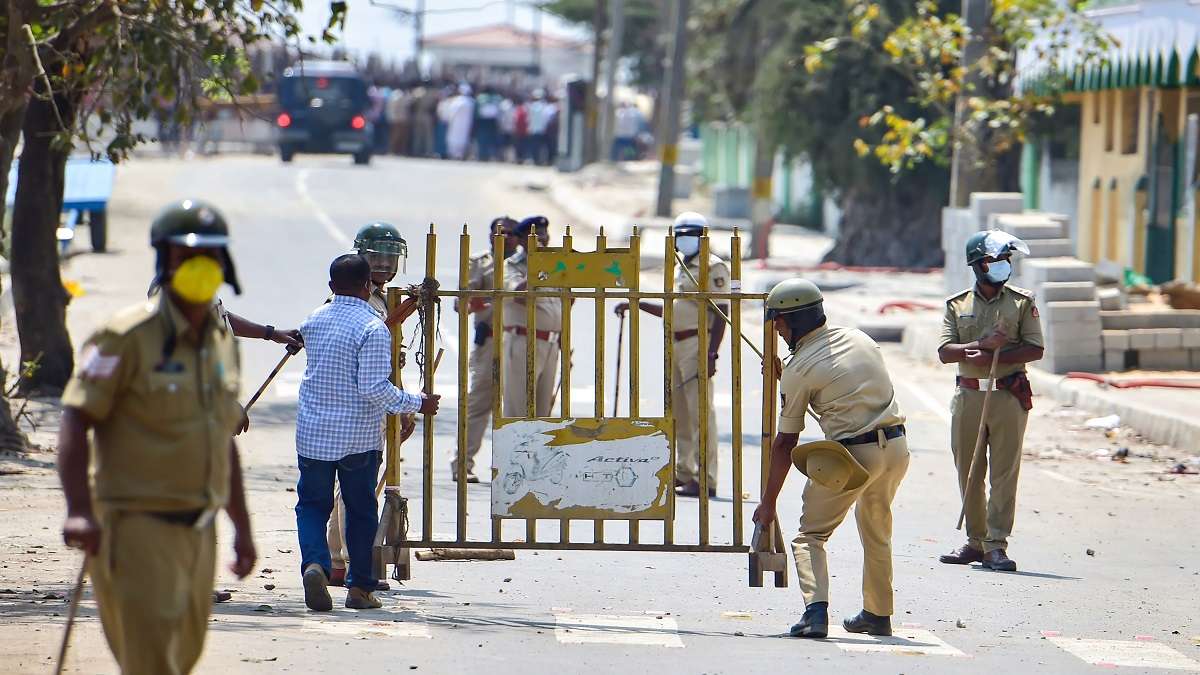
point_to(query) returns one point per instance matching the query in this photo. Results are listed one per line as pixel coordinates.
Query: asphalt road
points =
(1130, 602)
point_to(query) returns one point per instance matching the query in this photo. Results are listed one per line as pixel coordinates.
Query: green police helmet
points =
(380, 237)
(993, 244)
(191, 223)
(792, 295)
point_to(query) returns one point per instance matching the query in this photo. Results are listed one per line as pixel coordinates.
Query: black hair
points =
(349, 272)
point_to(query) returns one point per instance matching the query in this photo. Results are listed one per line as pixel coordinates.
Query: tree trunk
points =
(11, 437)
(761, 218)
(889, 226)
(38, 294)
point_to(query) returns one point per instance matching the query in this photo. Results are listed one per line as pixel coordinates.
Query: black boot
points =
(871, 624)
(814, 623)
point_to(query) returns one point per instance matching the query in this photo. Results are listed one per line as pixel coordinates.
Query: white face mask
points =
(688, 245)
(999, 271)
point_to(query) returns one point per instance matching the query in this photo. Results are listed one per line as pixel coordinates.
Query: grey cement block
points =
(1071, 330)
(1114, 359)
(1084, 310)
(1164, 359)
(1168, 338)
(1191, 338)
(1179, 318)
(1041, 270)
(1050, 248)
(1111, 299)
(1141, 338)
(1116, 340)
(1089, 364)
(1067, 291)
(1072, 348)
(1195, 358)
(984, 204)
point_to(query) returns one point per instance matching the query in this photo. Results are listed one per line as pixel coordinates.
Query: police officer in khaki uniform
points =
(479, 398)
(383, 247)
(548, 323)
(157, 386)
(685, 375)
(839, 374)
(988, 317)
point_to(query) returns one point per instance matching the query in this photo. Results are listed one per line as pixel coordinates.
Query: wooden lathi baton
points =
(72, 610)
(980, 439)
(292, 350)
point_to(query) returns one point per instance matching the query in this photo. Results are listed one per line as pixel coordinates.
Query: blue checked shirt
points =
(346, 390)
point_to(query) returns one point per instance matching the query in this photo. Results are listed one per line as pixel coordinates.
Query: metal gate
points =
(641, 443)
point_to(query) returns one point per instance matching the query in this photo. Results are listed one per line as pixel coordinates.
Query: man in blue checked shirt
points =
(345, 393)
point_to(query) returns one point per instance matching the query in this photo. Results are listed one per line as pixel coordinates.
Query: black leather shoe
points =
(962, 556)
(871, 624)
(814, 623)
(692, 489)
(998, 560)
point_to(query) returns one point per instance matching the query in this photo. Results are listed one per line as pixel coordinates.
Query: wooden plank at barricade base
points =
(763, 557)
(466, 554)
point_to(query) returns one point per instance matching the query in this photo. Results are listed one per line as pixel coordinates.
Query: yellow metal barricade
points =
(562, 468)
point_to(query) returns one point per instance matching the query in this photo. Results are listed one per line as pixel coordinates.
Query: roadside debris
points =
(960, 623)
(1091, 553)
(436, 554)
(1183, 469)
(1108, 422)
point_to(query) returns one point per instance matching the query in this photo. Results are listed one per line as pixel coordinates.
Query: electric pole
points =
(616, 34)
(673, 90)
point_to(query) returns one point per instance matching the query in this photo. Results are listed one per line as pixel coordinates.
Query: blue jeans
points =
(357, 475)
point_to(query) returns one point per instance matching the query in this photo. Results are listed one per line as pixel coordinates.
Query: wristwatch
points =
(270, 332)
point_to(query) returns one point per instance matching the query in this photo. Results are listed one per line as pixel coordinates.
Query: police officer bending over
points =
(840, 375)
(158, 386)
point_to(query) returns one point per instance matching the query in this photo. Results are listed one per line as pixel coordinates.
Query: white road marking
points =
(904, 641)
(1126, 653)
(319, 213)
(609, 629)
(938, 409)
(361, 629)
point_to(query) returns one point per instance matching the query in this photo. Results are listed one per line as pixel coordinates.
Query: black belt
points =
(873, 436)
(182, 518)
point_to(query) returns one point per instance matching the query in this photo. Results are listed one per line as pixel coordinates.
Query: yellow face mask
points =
(197, 279)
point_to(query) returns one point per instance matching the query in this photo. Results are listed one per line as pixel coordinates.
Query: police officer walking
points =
(157, 386)
(839, 374)
(383, 247)
(479, 398)
(547, 324)
(685, 367)
(988, 317)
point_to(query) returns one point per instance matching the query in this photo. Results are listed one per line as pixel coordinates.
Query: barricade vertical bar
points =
(464, 307)
(392, 468)
(635, 247)
(703, 314)
(601, 246)
(530, 336)
(735, 364)
(531, 245)
(564, 355)
(669, 372)
(430, 327)
(498, 348)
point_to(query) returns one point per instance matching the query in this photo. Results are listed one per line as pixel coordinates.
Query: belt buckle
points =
(205, 518)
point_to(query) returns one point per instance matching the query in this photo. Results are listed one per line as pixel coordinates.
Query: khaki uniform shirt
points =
(840, 373)
(163, 424)
(548, 311)
(969, 317)
(378, 300)
(687, 312)
(482, 272)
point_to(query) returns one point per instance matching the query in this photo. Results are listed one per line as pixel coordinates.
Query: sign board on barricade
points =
(617, 469)
(559, 268)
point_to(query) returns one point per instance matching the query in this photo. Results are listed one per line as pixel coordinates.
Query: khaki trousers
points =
(545, 366)
(685, 407)
(153, 582)
(824, 510)
(989, 516)
(479, 402)
(335, 533)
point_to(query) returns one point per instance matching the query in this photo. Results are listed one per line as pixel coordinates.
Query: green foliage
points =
(925, 48)
(640, 44)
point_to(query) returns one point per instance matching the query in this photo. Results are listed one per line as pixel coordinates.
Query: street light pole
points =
(673, 89)
(966, 174)
(616, 32)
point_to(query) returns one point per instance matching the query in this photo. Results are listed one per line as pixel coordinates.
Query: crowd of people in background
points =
(458, 122)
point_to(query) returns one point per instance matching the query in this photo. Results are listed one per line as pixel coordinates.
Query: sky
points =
(376, 29)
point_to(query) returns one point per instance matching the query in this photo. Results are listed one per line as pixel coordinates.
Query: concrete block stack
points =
(1151, 340)
(959, 224)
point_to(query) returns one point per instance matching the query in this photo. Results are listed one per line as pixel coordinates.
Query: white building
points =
(504, 54)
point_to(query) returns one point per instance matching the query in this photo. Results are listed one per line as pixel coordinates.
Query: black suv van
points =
(323, 109)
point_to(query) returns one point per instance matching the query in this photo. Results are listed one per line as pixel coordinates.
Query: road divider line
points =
(319, 213)
(928, 401)
(909, 641)
(1125, 653)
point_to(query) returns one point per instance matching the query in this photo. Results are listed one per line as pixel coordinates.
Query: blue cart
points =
(87, 187)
